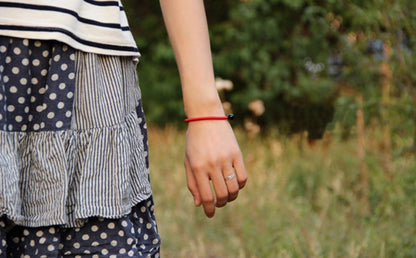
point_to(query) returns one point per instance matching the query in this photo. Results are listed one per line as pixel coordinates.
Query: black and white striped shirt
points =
(96, 26)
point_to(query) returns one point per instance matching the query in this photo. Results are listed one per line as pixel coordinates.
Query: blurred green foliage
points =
(306, 60)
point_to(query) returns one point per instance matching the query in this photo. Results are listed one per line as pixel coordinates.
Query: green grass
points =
(300, 201)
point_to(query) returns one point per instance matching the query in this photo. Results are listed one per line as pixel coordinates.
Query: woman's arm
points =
(211, 151)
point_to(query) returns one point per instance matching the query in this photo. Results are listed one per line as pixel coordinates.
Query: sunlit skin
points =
(211, 149)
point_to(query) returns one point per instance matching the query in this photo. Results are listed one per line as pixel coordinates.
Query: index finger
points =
(206, 194)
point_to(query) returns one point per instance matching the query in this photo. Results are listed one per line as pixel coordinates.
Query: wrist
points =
(204, 108)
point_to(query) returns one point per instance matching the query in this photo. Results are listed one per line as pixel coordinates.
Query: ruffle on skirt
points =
(73, 143)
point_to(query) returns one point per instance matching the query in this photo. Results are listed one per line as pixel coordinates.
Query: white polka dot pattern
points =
(37, 86)
(125, 237)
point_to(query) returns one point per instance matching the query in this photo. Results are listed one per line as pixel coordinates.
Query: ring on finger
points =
(229, 177)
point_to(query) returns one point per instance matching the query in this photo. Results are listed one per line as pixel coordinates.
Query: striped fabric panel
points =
(108, 100)
(92, 26)
(112, 92)
(9, 175)
(98, 168)
(43, 184)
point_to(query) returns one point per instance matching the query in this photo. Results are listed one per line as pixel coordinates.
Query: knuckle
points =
(236, 153)
(196, 166)
(202, 165)
(223, 157)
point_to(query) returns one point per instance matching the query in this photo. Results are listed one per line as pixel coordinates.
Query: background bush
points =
(307, 61)
(310, 62)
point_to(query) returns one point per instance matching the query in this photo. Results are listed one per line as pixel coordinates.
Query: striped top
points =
(95, 26)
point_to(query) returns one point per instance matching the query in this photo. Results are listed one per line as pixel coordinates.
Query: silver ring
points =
(229, 177)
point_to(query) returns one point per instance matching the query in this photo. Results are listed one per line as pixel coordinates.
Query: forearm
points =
(212, 154)
(188, 32)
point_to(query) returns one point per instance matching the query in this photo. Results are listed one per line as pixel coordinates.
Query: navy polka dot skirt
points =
(134, 235)
(74, 178)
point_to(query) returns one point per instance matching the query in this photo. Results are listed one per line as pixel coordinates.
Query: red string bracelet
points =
(229, 117)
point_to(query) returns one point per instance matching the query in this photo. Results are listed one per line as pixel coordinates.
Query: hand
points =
(212, 155)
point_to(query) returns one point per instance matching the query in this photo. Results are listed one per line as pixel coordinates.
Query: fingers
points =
(230, 179)
(225, 187)
(214, 165)
(200, 187)
(192, 185)
(221, 191)
(207, 196)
